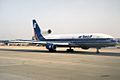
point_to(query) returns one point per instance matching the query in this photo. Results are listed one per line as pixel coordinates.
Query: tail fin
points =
(37, 32)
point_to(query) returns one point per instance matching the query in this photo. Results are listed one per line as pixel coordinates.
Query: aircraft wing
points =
(44, 42)
(41, 42)
(19, 41)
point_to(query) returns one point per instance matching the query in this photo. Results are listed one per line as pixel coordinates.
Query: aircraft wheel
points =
(52, 50)
(70, 50)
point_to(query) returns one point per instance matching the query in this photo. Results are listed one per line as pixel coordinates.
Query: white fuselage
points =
(78, 36)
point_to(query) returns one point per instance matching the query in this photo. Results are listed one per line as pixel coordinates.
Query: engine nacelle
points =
(84, 47)
(46, 31)
(50, 47)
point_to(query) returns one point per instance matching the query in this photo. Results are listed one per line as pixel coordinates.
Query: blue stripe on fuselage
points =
(82, 40)
(92, 41)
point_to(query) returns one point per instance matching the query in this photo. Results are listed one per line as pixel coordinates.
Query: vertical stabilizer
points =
(37, 31)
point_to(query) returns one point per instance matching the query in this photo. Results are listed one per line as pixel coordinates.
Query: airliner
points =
(84, 41)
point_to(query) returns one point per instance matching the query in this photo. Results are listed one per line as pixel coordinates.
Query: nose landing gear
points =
(97, 51)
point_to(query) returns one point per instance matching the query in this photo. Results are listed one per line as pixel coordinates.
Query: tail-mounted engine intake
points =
(46, 31)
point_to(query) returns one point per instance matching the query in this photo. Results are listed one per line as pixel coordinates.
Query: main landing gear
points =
(97, 51)
(70, 50)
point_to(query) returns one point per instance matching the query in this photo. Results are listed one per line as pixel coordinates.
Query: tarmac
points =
(36, 63)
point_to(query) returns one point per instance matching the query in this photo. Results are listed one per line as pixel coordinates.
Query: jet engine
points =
(50, 47)
(84, 47)
(46, 31)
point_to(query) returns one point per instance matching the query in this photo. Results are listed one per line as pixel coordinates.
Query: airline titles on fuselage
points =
(85, 36)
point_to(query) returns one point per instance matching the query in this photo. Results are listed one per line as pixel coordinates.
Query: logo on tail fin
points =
(34, 25)
(37, 32)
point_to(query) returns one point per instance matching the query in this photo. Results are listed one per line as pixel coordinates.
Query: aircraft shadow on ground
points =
(65, 52)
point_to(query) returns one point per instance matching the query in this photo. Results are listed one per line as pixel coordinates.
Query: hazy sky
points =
(62, 16)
